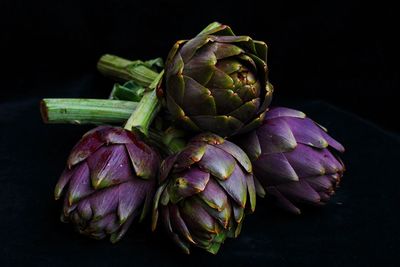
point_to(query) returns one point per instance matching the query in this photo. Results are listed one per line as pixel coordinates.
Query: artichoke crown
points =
(294, 158)
(110, 179)
(204, 192)
(218, 82)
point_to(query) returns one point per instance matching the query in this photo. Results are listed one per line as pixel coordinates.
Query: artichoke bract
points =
(294, 158)
(217, 82)
(204, 192)
(110, 180)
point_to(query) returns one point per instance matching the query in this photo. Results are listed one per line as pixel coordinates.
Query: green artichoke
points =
(218, 82)
(204, 192)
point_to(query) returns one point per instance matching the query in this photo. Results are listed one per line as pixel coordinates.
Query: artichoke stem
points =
(147, 108)
(104, 111)
(121, 69)
(85, 111)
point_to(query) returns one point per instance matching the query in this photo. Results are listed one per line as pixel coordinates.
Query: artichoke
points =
(294, 158)
(204, 192)
(110, 180)
(217, 82)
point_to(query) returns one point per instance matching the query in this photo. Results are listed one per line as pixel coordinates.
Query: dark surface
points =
(342, 52)
(359, 227)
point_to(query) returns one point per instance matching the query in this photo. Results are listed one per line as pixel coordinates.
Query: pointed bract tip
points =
(189, 237)
(122, 219)
(211, 27)
(296, 212)
(214, 248)
(154, 220)
(294, 177)
(323, 143)
(261, 193)
(216, 23)
(115, 237)
(71, 199)
(98, 183)
(57, 193)
(186, 251)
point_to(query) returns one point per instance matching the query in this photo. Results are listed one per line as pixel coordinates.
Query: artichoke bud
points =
(294, 158)
(103, 186)
(217, 82)
(202, 201)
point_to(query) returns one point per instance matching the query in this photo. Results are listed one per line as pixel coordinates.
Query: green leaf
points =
(217, 28)
(130, 91)
(156, 64)
(210, 27)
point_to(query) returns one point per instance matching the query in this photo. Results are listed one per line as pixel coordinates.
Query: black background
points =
(336, 60)
(343, 52)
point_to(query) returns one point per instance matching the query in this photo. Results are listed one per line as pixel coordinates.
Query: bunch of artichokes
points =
(200, 162)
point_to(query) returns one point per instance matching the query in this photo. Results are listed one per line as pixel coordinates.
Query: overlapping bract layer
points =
(294, 158)
(204, 192)
(110, 180)
(218, 82)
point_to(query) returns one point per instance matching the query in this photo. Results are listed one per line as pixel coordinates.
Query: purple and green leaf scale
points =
(190, 144)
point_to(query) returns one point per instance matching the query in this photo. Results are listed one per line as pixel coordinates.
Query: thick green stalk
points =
(101, 111)
(147, 109)
(86, 111)
(125, 70)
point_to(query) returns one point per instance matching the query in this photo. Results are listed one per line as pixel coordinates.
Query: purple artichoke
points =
(204, 192)
(294, 158)
(110, 180)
